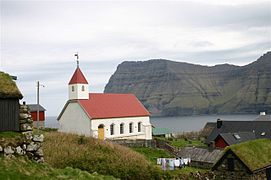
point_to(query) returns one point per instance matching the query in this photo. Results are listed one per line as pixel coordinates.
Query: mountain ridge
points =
(170, 88)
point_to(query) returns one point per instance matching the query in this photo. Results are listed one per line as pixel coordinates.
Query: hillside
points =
(168, 88)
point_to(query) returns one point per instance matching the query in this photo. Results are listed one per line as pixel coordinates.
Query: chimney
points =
(218, 123)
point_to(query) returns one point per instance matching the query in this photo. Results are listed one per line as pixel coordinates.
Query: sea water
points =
(178, 124)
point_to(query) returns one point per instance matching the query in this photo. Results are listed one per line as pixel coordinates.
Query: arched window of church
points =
(121, 128)
(139, 126)
(112, 129)
(83, 88)
(72, 88)
(130, 127)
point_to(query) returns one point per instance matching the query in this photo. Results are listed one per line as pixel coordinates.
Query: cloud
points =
(39, 38)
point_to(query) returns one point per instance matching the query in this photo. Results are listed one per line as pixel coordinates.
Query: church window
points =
(72, 88)
(121, 128)
(139, 126)
(83, 88)
(130, 127)
(112, 129)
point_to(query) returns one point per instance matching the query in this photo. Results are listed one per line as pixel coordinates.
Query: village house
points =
(261, 129)
(226, 139)
(248, 160)
(102, 115)
(34, 108)
(9, 103)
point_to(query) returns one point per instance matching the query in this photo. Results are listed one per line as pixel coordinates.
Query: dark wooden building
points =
(261, 129)
(247, 160)
(9, 103)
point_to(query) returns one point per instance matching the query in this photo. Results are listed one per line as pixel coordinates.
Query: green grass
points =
(180, 143)
(22, 168)
(151, 153)
(9, 134)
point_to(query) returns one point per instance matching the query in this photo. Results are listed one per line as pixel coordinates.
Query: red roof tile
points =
(78, 77)
(103, 105)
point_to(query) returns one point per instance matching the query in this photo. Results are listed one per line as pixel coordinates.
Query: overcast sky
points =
(39, 38)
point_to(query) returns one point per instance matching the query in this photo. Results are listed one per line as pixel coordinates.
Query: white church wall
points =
(145, 133)
(75, 91)
(75, 120)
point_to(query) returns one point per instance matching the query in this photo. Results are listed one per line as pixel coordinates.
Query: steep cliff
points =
(168, 88)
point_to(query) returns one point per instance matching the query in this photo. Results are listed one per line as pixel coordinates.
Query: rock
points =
(32, 147)
(8, 150)
(23, 110)
(28, 135)
(26, 127)
(24, 146)
(23, 116)
(22, 121)
(39, 152)
(1, 149)
(29, 120)
(40, 160)
(19, 150)
(38, 138)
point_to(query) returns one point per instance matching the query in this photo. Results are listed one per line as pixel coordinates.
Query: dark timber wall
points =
(9, 115)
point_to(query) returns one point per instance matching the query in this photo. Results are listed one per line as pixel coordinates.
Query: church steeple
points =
(78, 85)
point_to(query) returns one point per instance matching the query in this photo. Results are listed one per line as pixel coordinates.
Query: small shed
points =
(249, 160)
(33, 108)
(9, 103)
(201, 157)
(161, 132)
(226, 139)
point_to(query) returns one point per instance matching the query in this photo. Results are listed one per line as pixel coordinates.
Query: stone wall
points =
(26, 143)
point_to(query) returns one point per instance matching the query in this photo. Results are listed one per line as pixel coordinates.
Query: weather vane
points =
(77, 59)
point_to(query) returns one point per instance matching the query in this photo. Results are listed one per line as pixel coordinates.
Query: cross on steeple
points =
(77, 59)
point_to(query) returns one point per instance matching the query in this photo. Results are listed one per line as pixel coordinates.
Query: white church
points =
(103, 115)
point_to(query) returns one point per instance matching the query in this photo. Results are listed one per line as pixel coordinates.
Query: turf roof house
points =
(9, 103)
(102, 115)
(247, 160)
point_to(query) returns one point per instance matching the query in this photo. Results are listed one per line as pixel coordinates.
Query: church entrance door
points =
(101, 132)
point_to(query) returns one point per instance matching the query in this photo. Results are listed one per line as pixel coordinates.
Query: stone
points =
(40, 160)
(23, 116)
(39, 152)
(29, 120)
(19, 150)
(26, 127)
(32, 147)
(8, 150)
(24, 146)
(23, 110)
(1, 149)
(28, 135)
(38, 138)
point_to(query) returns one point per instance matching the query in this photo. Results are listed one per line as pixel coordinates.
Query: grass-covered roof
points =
(254, 154)
(8, 88)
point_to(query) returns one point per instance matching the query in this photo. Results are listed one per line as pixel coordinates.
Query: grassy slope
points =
(62, 150)
(22, 168)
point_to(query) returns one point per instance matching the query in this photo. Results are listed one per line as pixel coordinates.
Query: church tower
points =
(78, 85)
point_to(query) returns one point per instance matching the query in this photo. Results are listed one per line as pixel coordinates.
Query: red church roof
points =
(103, 105)
(78, 77)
